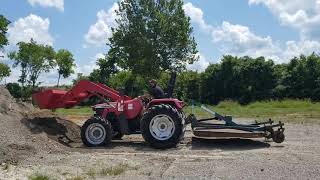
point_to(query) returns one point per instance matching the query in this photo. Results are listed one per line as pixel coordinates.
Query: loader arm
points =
(53, 99)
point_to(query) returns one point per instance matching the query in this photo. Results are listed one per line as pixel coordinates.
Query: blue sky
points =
(275, 29)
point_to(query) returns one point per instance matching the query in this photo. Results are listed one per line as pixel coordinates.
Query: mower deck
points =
(226, 133)
(225, 127)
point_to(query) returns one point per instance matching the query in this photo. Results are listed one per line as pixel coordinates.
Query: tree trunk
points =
(58, 80)
(33, 84)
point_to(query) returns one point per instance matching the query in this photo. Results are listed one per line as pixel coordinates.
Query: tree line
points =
(243, 79)
(152, 39)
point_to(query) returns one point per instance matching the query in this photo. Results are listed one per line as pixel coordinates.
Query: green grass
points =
(76, 178)
(297, 111)
(115, 170)
(79, 111)
(39, 177)
(91, 173)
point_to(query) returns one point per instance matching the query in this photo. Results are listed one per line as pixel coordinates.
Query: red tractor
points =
(160, 121)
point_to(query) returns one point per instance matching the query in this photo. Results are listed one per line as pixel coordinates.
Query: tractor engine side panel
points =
(133, 108)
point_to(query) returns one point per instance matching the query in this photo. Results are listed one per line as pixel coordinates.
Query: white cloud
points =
(32, 26)
(196, 15)
(303, 47)
(99, 56)
(239, 40)
(51, 78)
(87, 68)
(14, 75)
(59, 4)
(200, 65)
(304, 15)
(100, 31)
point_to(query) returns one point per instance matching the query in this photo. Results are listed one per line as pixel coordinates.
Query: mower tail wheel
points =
(162, 126)
(278, 136)
(96, 132)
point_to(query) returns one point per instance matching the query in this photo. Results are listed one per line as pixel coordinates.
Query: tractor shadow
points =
(232, 144)
(134, 146)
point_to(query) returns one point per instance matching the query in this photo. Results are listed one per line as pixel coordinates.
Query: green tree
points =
(210, 85)
(243, 79)
(152, 36)
(119, 80)
(14, 89)
(280, 91)
(94, 76)
(3, 30)
(4, 71)
(33, 59)
(133, 85)
(79, 77)
(187, 86)
(303, 77)
(107, 67)
(65, 62)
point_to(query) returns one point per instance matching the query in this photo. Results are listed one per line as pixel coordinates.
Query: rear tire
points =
(96, 132)
(162, 126)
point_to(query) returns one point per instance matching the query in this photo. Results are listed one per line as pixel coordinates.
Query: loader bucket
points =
(48, 99)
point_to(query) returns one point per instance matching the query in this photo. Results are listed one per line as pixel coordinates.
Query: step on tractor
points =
(161, 122)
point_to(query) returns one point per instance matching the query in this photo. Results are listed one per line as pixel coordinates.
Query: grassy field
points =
(297, 111)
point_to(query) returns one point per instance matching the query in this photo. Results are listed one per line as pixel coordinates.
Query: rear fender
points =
(173, 102)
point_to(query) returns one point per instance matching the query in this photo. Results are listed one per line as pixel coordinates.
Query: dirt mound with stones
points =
(26, 131)
(56, 128)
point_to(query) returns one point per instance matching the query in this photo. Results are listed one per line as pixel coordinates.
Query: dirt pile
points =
(9, 105)
(25, 130)
(56, 128)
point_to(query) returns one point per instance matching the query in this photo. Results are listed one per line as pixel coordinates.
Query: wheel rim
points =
(162, 127)
(95, 133)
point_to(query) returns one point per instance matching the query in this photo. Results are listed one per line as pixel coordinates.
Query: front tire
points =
(96, 132)
(162, 126)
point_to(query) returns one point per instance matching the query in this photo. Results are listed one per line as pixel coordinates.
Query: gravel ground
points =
(297, 158)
